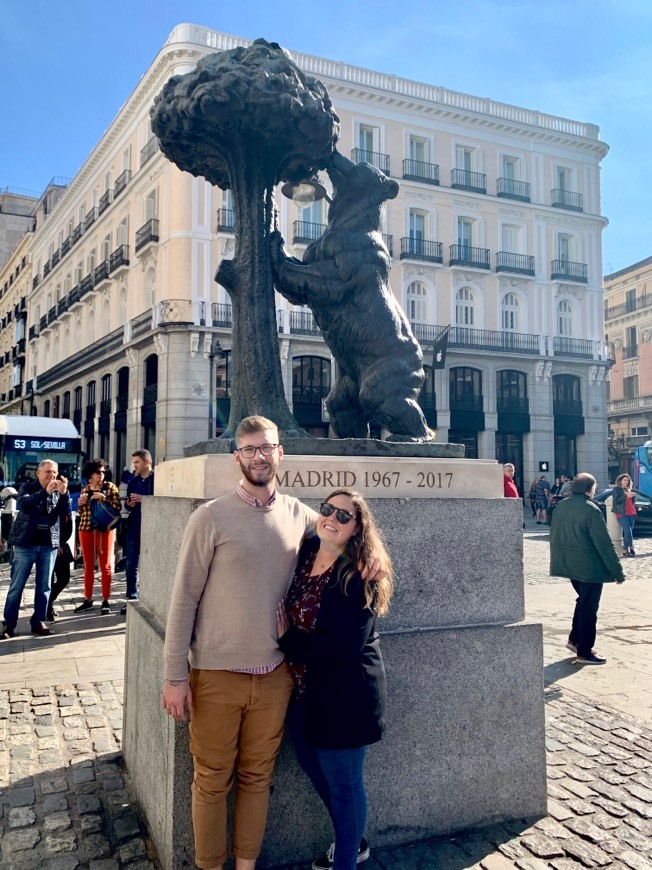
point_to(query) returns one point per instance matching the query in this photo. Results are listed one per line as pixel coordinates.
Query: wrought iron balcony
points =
(66, 245)
(465, 255)
(36, 280)
(305, 232)
(52, 314)
(221, 314)
(464, 179)
(500, 340)
(18, 391)
(577, 347)
(520, 264)
(150, 394)
(567, 199)
(86, 284)
(421, 249)
(426, 332)
(47, 268)
(90, 412)
(62, 305)
(509, 188)
(225, 220)
(564, 270)
(628, 307)
(78, 232)
(56, 256)
(466, 403)
(309, 395)
(20, 347)
(303, 323)
(148, 151)
(43, 323)
(121, 182)
(74, 295)
(91, 217)
(122, 401)
(29, 386)
(33, 332)
(105, 407)
(76, 417)
(146, 234)
(512, 405)
(630, 351)
(417, 170)
(119, 258)
(389, 243)
(567, 407)
(380, 161)
(101, 272)
(105, 201)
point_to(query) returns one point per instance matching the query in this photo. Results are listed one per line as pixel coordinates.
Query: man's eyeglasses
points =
(326, 509)
(249, 452)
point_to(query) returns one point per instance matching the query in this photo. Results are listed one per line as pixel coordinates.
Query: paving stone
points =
(556, 791)
(66, 701)
(48, 758)
(611, 776)
(21, 817)
(76, 721)
(552, 828)
(587, 830)
(93, 847)
(578, 788)
(107, 864)
(88, 803)
(565, 864)
(131, 850)
(579, 774)
(22, 797)
(44, 720)
(83, 774)
(639, 824)
(496, 861)
(635, 860)
(542, 846)
(66, 841)
(91, 824)
(52, 786)
(586, 853)
(57, 822)
(55, 803)
(639, 791)
(48, 743)
(126, 825)
(625, 768)
(582, 808)
(613, 792)
(112, 783)
(63, 862)
(16, 841)
(559, 811)
(28, 860)
(76, 734)
(642, 809)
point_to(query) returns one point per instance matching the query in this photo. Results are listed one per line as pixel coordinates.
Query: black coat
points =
(345, 681)
(32, 507)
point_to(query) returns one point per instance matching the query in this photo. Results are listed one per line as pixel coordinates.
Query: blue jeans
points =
(22, 560)
(627, 525)
(337, 775)
(132, 556)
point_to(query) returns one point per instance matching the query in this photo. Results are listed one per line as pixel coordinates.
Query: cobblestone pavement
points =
(64, 795)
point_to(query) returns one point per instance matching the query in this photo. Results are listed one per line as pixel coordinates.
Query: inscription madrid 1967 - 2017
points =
(313, 479)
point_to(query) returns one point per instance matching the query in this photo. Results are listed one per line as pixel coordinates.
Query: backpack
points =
(104, 517)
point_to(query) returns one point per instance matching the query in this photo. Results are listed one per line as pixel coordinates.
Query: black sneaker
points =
(85, 605)
(591, 659)
(106, 607)
(326, 861)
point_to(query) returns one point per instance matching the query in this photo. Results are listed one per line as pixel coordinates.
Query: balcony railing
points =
(464, 179)
(56, 257)
(122, 401)
(36, 280)
(512, 405)
(417, 170)
(105, 201)
(52, 314)
(465, 255)
(43, 322)
(91, 217)
(120, 257)
(309, 395)
(33, 332)
(90, 412)
(121, 182)
(20, 346)
(508, 188)
(421, 249)
(628, 307)
(225, 220)
(78, 232)
(567, 199)
(620, 406)
(47, 268)
(150, 394)
(147, 233)
(66, 245)
(389, 243)
(466, 403)
(630, 351)
(521, 264)
(567, 407)
(73, 296)
(148, 151)
(380, 161)
(221, 314)
(105, 407)
(577, 347)
(101, 272)
(86, 284)
(305, 232)
(489, 339)
(303, 323)
(62, 305)
(172, 311)
(76, 417)
(564, 270)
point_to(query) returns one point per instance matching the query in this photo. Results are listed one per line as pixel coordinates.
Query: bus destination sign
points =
(48, 445)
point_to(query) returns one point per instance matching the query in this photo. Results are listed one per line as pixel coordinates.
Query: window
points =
(416, 303)
(90, 395)
(464, 307)
(564, 318)
(313, 213)
(630, 387)
(565, 248)
(126, 158)
(106, 247)
(464, 233)
(417, 225)
(630, 300)
(418, 149)
(465, 389)
(66, 405)
(510, 238)
(464, 158)
(563, 176)
(46, 408)
(631, 342)
(122, 235)
(106, 388)
(78, 398)
(511, 392)
(510, 168)
(311, 379)
(92, 257)
(368, 138)
(509, 312)
(151, 205)
(56, 406)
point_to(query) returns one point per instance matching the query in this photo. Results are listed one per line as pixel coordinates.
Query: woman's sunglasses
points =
(326, 509)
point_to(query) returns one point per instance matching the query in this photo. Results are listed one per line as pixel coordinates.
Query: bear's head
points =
(359, 191)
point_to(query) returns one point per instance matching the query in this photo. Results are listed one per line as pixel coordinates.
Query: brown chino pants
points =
(236, 727)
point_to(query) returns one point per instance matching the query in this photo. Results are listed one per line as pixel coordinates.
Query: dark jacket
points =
(619, 500)
(32, 507)
(345, 681)
(580, 546)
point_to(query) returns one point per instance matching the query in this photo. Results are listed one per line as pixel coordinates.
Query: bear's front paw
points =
(276, 247)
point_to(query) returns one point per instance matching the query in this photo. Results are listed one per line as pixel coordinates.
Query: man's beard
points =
(259, 481)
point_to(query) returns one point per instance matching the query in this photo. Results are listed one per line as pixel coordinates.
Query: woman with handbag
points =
(624, 507)
(327, 630)
(99, 512)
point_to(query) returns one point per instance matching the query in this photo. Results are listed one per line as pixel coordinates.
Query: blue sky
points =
(68, 66)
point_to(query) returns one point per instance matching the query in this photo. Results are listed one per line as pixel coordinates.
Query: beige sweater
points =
(235, 565)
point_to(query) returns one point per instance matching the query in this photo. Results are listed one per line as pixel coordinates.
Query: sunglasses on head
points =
(326, 509)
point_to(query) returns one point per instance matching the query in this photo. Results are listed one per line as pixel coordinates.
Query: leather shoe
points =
(51, 615)
(7, 632)
(41, 629)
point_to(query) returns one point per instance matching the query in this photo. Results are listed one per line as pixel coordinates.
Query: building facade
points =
(628, 325)
(496, 230)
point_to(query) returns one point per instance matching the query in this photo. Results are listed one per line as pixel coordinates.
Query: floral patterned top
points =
(302, 602)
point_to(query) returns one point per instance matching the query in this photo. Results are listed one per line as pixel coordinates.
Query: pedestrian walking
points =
(61, 573)
(581, 549)
(140, 485)
(532, 497)
(623, 505)
(542, 494)
(35, 536)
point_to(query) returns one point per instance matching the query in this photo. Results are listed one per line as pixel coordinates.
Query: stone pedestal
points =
(464, 744)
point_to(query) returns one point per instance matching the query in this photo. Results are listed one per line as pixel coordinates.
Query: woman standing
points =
(624, 506)
(93, 542)
(327, 629)
(532, 496)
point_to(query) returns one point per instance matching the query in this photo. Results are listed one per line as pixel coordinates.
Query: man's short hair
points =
(145, 455)
(45, 462)
(582, 483)
(255, 423)
(509, 465)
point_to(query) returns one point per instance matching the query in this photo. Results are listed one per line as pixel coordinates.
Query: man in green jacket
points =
(581, 549)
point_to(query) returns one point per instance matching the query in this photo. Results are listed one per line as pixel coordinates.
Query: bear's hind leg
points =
(347, 417)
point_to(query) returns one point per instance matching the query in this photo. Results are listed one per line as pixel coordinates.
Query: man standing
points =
(140, 484)
(508, 479)
(42, 505)
(542, 493)
(582, 550)
(237, 558)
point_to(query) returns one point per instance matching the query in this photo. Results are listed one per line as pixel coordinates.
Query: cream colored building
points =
(496, 230)
(628, 325)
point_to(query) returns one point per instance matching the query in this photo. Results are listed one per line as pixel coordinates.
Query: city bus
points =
(642, 469)
(26, 441)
